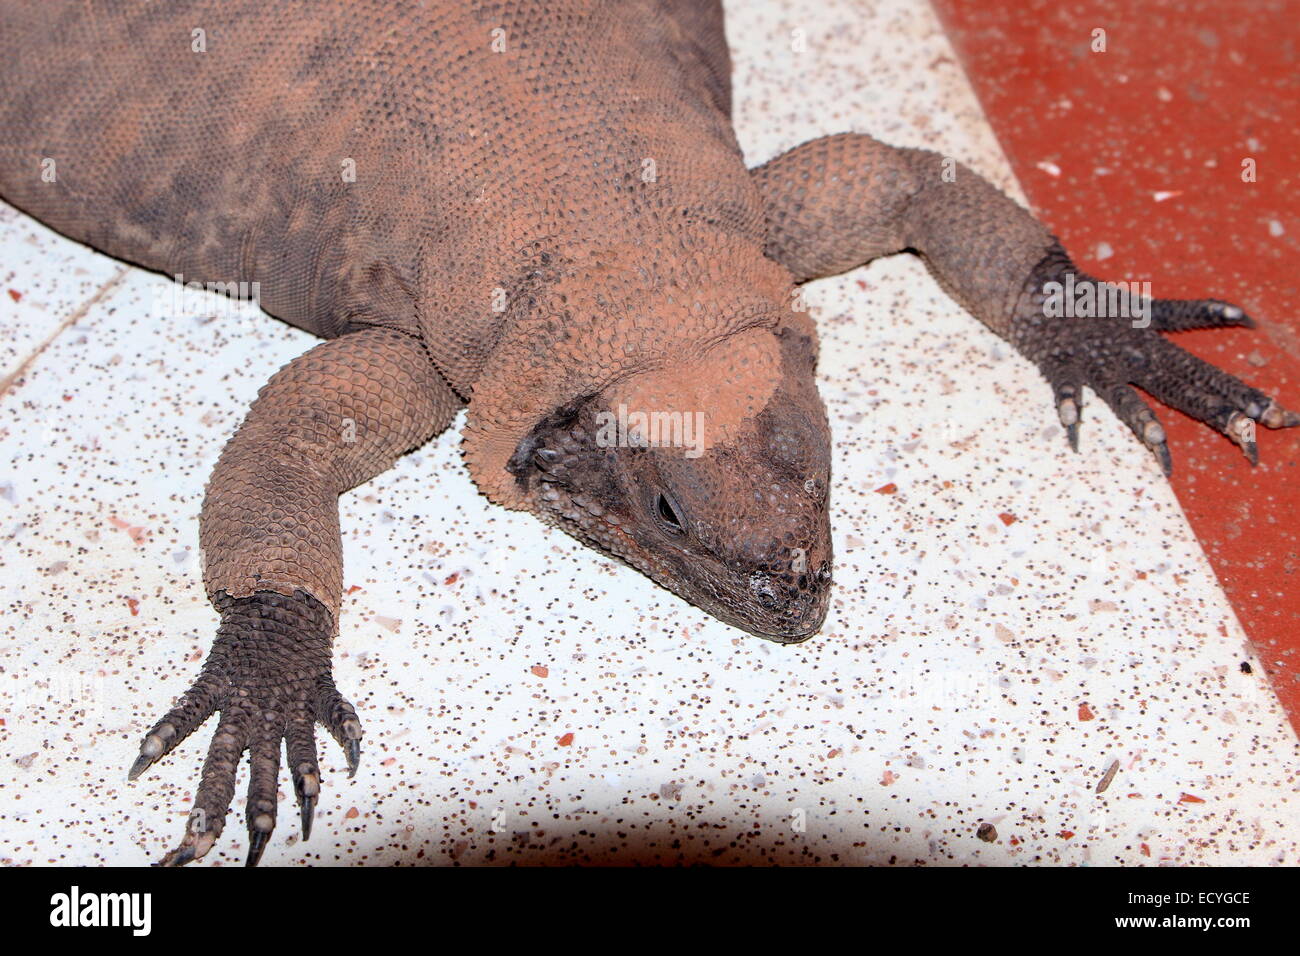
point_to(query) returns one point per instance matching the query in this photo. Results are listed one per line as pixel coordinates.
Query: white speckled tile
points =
(44, 281)
(527, 701)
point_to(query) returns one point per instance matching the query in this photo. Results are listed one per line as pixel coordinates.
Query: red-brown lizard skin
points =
(539, 209)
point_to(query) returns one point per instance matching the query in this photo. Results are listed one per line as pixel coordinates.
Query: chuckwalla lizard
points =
(537, 209)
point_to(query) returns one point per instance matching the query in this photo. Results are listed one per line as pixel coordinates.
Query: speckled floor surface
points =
(1012, 620)
(1136, 162)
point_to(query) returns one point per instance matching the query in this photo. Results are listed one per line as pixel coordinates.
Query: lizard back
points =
(365, 162)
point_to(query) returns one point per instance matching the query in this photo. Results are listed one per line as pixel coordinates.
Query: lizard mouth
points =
(794, 628)
(796, 604)
(774, 603)
(740, 537)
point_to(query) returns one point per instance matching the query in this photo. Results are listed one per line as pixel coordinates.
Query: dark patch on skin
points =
(149, 214)
(754, 545)
(560, 421)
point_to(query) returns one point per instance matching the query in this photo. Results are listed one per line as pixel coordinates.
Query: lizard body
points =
(538, 210)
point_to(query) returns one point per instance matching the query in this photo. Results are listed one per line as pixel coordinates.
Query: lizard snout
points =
(764, 591)
(793, 605)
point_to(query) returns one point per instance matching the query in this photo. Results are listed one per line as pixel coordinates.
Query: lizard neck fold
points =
(681, 323)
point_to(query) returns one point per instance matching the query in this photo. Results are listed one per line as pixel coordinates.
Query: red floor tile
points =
(1184, 92)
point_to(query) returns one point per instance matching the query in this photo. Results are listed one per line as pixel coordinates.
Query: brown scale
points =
(538, 209)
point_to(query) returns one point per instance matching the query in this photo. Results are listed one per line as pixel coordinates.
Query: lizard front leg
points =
(837, 202)
(328, 421)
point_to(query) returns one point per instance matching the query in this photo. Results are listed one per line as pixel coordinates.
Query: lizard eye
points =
(667, 516)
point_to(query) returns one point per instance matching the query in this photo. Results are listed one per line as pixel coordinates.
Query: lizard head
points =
(711, 477)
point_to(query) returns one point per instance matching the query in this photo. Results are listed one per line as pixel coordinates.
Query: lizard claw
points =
(1068, 408)
(1241, 429)
(257, 841)
(263, 704)
(340, 719)
(1111, 355)
(194, 847)
(1180, 315)
(308, 809)
(1275, 416)
(354, 757)
(151, 749)
(306, 785)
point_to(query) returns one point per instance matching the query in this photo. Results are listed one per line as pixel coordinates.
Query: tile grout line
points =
(77, 315)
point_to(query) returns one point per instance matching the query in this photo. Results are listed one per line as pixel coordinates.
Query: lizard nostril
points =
(761, 585)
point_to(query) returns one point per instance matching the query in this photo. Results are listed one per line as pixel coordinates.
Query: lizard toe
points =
(264, 772)
(1181, 315)
(340, 719)
(216, 788)
(195, 706)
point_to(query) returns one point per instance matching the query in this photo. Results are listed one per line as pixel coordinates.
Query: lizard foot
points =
(1112, 349)
(269, 675)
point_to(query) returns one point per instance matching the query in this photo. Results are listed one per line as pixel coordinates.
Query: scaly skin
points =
(539, 209)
